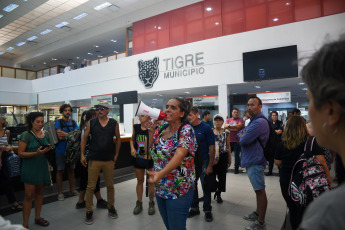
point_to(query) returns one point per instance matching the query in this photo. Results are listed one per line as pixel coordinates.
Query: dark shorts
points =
(61, 162)
(141, 163)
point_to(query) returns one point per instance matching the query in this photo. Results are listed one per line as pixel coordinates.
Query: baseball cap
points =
(104, 104)
(218, 116)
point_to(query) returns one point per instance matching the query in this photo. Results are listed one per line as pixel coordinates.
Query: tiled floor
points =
(238, 201)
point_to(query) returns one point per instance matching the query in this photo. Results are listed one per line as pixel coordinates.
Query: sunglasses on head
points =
(101, 108)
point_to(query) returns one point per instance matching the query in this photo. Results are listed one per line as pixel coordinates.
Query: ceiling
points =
(72, 42)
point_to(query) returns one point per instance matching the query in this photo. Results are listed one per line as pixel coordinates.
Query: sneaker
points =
(61, 197)
(244, 170)
(151, 210)
(193, 213)
(236, 171)
(112, 213)
(80, 205)
(256, 226)
(102, 204)
(138, 208)
(252, 216)
(208, 217)
(89, 218)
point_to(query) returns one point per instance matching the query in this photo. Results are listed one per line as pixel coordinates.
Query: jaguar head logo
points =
(148, 72)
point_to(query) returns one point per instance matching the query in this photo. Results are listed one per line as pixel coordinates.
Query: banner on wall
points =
(275, 97)
(95, 100)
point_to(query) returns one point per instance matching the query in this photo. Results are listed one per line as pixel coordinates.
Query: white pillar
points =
(223, 95)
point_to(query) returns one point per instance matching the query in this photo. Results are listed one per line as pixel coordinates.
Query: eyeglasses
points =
(101, 108)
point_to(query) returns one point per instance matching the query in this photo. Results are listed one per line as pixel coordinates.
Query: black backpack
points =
(197, 155)
(308, 178)
(272, 142)
(63, 125)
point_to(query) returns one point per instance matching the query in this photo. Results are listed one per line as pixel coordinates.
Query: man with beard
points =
(63, 127)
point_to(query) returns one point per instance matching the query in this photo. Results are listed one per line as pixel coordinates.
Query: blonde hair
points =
(295, 132)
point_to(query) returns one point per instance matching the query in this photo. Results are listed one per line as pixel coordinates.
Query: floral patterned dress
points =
(180, 180)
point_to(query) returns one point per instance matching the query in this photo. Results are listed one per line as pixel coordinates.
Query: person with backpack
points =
(222, 159)
(173, 148)
(206, 140)
(252, 139)
(324, 75)
(287, 154)
(63, 127)
(143, 161)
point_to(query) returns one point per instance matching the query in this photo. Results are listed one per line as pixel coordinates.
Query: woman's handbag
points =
(50, 155)
(14, 165)
(210, 183)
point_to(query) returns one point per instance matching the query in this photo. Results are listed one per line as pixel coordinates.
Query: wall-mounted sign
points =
(129, 97)
(95, 100)
(275, 97)
(205, 101)
(148, 71)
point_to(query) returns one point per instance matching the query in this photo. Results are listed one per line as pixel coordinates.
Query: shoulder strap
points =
(269, 126)
(308, 147)
(38, 140)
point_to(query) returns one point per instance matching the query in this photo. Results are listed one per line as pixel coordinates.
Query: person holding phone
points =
(33, 144)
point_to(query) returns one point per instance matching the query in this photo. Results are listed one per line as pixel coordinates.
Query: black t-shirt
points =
(102, 147)
(141, 137)
(278, 125)
(290, 157)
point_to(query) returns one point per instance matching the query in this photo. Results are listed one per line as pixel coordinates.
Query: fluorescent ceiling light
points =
(115, 51)
(275, 19)
(61, 24)
(46, 31)
(267, 91)
(77, 57)
(89, 53)
(96, 46)
(305, 89)
(20, 43)
(80, 16)
(1, 15)
(9, 48)
(187, 92)
(208, 8)
(31, 38)
(257, 86)
(102, 6)
(217, 23)
(301, 83)
(44, 63)
(10, 7)
(113, 40)
(2, 52)
(100, 56)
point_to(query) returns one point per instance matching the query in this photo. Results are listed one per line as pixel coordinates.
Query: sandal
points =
(17, 207)
(42, 222)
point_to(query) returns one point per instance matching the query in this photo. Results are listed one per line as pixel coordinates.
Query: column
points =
(223, 95)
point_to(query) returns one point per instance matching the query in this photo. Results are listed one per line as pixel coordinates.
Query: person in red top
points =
(234, 125)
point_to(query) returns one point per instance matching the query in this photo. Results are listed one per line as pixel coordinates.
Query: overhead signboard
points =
(205, 101)
(129, 97)
(275, 97)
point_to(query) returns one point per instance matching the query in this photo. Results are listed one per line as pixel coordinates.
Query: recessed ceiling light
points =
(61, 24)
(72, 63)
(100, 56)
(89, 53)
(217, 23)
(275, 19)
(257, 86)
(187, 92)
(80, 16)
(20, 43)
(288, 3)
(46, 31)
(44, 63)
(2, 52)
(1, 15)
(9, 48)
(77, 57)
(96, 46)
(208, 9)
(205, 95)
(267, 91)
(10, 7)
(304, 88)
(113, 40)
(54, 59)
(102, 6)
(301, 83)
(159, 27)
(31, 38)
(115, 51)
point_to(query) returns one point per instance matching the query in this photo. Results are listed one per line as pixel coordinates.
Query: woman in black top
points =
(277, 125)
(288, 152)
(140, 151)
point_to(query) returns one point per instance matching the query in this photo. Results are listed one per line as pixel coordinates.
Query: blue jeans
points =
(174, 212)
(256, 176)
(207, 195)
(236, 148)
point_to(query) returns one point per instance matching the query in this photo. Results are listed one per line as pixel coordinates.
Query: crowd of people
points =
(182, 149)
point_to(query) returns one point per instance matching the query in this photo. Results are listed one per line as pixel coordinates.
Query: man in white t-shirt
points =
(67, 68)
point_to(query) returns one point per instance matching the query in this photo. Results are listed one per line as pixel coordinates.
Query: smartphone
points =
(44, 146)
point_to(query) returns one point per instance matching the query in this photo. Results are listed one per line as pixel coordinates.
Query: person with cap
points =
(101, 157)
(222, 159)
